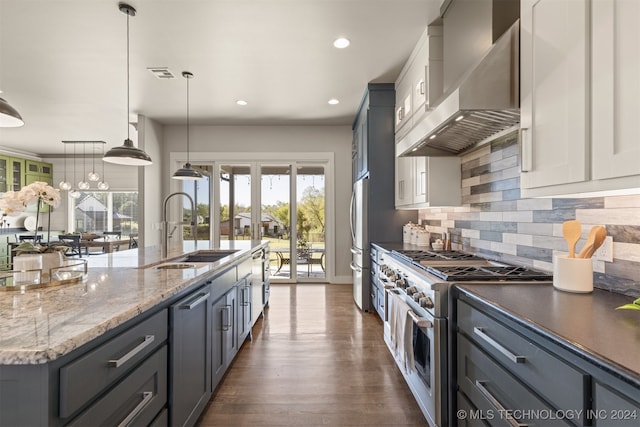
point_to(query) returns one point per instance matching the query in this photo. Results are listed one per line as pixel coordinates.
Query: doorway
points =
(283, 201)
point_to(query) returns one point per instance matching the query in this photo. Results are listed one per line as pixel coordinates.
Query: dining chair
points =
(73, 242)
(29, 238)
(112, 235)
(133, 240)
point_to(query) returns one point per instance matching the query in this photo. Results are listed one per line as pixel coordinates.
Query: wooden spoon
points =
(571, 230)
(595, 239)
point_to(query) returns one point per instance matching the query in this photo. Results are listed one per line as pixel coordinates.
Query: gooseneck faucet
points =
(165, 224)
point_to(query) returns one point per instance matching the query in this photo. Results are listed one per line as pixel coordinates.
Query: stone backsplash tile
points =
(495, 222)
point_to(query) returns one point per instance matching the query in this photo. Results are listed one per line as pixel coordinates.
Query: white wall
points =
(279, 139)
(150, 136)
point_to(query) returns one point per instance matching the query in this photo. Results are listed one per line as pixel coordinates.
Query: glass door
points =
(310, 221)
(235, 197)
(199, 190)
(276, 217)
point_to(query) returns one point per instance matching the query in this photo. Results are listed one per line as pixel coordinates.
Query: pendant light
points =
(103, 185)
(127, 154)
(187, 172)
(93, 175)
(9, 117)
(74, 193)
(84, 185)
(64, 184)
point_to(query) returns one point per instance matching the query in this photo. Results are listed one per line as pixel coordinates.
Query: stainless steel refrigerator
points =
(359, 240)
(372, 220)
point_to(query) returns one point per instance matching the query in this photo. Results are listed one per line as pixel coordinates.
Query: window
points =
(106, 211)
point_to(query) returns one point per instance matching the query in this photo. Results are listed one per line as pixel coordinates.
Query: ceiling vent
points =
(161, 72)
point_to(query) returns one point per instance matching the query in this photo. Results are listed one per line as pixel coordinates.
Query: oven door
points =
(427, 380)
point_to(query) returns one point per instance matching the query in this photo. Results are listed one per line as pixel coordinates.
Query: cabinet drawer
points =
(496, 393)
(135, 401)
(85, 377)
(560, 383)
(471, 417)
(613, 409)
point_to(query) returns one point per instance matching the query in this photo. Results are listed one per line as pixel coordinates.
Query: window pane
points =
(106, 211)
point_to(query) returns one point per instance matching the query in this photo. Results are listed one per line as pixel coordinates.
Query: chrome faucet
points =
(165, 224)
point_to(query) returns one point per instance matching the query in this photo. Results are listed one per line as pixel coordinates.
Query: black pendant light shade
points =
(9, 117)
(187, 171)
(127, 154)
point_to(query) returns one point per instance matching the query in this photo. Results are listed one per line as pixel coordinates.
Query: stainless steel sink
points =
(175, 266)
(207, 256)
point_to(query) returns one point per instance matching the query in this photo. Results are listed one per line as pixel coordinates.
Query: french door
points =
(283, 201)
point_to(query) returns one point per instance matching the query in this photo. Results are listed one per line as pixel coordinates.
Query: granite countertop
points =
(40, 325)
(585, 324)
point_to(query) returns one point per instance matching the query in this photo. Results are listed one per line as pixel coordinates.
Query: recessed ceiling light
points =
(241, 102)
(341, 43)
(333, 101)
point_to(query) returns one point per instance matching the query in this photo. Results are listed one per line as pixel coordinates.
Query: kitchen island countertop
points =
(40, 325)
(587, 325)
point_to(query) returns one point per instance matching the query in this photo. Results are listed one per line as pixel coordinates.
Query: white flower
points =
(11, 203)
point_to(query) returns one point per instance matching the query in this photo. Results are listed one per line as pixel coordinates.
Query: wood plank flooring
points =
(315, 359)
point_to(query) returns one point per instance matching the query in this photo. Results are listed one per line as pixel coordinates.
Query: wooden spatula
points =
(595, 239)
(571, 230)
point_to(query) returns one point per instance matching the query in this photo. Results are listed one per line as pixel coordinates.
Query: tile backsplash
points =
(495, 222)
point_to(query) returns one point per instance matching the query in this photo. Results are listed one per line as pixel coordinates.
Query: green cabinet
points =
(38, 171)
(12, 177)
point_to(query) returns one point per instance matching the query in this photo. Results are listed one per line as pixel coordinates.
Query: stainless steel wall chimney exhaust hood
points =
(486, 102)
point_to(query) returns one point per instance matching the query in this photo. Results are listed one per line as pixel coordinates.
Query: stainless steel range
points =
(421, 280)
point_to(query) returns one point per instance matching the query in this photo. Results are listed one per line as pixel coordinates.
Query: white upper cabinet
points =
(423, 182)
(419, 84)
(553, 92)
(615, 70)
(580, 62)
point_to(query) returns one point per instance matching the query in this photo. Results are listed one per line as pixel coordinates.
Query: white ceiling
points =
(63, 62)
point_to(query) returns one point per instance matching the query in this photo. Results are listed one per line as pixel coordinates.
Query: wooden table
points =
(107, 246)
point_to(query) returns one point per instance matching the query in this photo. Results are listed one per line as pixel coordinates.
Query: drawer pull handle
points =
(193, 304)
(148, 340)
(487, 394)
(515, 359)
(146, 399)
(226, 324)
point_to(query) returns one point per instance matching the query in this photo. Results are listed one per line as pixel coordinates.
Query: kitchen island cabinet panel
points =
(190, 357)
(135, 401)
(84, 378)
(244, 308)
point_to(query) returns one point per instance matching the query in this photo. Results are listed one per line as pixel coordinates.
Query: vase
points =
(49, 261)
(28, 269)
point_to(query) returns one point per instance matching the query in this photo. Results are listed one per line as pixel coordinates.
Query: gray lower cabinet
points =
(244, 298)
(507, 375)
(190, 356)
(135, 401)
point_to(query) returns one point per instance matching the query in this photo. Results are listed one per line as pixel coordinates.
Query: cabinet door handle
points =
(199, 299)
(421, 87)
(148, 340)
(526, 150)
(487, 394)
(486, 338)
(146, 399)
(227, 321)
(355, 268)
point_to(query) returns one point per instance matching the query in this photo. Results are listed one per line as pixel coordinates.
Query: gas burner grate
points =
(424, 255)
(503, 272)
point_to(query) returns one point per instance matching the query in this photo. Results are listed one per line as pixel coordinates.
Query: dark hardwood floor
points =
(315, 359)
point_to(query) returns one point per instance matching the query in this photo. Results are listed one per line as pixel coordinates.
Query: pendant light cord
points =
(128, 74)
(188, 160)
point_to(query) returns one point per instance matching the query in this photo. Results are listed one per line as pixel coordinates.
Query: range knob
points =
(426, 302)
(401, 283)
(411, 290)
(392, 277)
(417, 296)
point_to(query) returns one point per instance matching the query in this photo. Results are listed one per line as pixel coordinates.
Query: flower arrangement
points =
(13, 203)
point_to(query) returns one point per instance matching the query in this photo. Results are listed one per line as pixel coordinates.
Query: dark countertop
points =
(587, 325)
